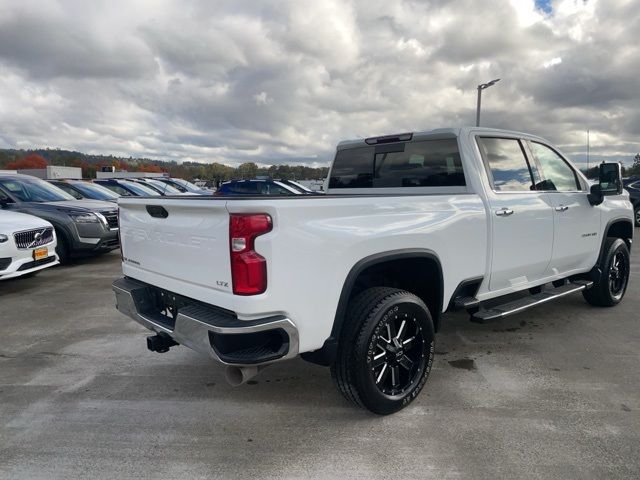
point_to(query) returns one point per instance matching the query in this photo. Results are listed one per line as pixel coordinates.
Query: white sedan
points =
(27, 244)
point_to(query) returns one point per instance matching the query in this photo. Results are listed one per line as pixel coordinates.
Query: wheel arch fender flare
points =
(622, 227)
(326, 354)
(61, 228)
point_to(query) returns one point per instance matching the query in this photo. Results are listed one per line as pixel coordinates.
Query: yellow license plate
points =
(40, 253)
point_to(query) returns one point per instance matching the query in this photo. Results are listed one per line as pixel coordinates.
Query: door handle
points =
(562, 208)
(504, 212)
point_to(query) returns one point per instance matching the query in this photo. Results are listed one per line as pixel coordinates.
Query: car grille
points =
(112, 218)
(33, 238)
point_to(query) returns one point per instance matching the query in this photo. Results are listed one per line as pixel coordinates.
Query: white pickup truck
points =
(412, 225)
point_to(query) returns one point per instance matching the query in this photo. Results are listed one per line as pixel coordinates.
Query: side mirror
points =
(595, 196)
(610, 180)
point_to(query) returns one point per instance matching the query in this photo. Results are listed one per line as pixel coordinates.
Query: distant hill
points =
(62, 157)
(189, 170)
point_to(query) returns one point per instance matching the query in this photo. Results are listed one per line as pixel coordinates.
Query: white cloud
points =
(283, 80)
(262, 98)
(552, 62)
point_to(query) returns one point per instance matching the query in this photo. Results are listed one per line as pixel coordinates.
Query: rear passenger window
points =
(352, 168)
(274, 189)
(507, 163)
(247, 188)
(558, 175)
(433, 163)
(69, 190)
(117, 189)
(428, 163)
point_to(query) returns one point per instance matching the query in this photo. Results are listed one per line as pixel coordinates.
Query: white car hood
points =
(14, 222)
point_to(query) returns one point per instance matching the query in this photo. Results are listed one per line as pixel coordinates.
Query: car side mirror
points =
(595, 195)
(610, 179)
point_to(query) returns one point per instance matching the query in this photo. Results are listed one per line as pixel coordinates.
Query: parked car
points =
(298, 186)
(126, 188)
(257, 187)
(82, 189)
(27, 245)
(160, 187)
(184, 186)
(634, 193)
(83, 227)
(412, 225)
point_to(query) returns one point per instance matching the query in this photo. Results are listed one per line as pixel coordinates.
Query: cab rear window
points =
(429, 163)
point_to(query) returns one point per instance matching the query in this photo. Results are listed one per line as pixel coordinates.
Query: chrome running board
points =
(515, 306)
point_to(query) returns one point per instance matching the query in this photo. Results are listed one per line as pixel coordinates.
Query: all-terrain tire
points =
(610, 287)
(62, 248)
(373, 317)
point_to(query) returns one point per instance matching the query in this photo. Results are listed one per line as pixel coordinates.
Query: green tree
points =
(248, 170)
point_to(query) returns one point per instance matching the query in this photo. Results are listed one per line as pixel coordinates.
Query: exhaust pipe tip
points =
(236, 376)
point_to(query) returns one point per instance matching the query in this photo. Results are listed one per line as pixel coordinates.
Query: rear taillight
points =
(248, 268)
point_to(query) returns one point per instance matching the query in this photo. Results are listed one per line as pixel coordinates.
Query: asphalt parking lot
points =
(551, 393)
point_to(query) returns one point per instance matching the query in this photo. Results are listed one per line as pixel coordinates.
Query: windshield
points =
(288, 188)
(299, 186)
(95, 191)
(165, 188)
(188, 186)
(33, 190)
(140, 190)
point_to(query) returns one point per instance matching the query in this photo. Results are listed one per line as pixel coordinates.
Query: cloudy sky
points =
(283, 81)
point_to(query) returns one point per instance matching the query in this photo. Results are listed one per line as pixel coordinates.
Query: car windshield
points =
(289, 188)
(188, 186)
(33, 190)
(95, 191)
(165, 188)
(299, 186)
(140, 190)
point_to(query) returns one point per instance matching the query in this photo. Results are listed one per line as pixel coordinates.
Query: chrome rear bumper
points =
(209, 330)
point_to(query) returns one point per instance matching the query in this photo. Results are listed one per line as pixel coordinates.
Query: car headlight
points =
(3, 238)
(102, 218)
(84, 218)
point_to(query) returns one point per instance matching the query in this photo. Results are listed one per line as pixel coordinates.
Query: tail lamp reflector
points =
(248, 268)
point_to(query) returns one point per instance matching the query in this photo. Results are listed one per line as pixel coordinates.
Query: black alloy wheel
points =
(385, 351)
(398, 354)
(613, 278)
(618, 275)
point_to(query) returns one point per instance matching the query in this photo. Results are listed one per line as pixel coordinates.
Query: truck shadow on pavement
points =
(464, 351)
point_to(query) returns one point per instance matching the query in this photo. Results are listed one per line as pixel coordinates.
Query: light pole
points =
(587, 151)
(481, 87)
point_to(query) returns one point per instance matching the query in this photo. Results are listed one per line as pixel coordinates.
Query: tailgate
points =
(181, 239)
